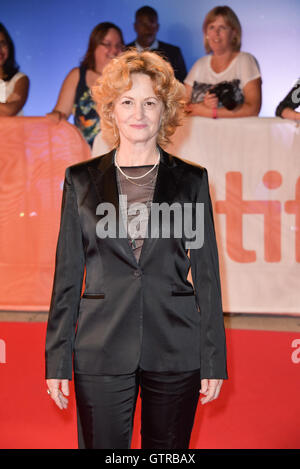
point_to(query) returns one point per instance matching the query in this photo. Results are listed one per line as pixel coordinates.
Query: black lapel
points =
(103, 174)
(167, 179)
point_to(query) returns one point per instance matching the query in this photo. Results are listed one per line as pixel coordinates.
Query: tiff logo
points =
(235, 206)
(2, 351)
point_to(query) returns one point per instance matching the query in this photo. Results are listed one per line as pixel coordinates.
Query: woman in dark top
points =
(286, 108)
(106, 41)
(140, 324)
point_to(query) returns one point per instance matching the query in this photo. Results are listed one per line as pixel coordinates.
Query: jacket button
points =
(137, 273)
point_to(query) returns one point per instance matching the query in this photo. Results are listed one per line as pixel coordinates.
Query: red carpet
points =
(259, 406)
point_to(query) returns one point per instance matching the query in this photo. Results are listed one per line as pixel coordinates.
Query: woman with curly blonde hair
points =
(117, 79)
(124, 316)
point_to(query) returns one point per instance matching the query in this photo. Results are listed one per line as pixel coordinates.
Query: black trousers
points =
(106, 406)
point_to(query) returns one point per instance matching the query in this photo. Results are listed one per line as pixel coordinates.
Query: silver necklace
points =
(136, 177)
(142, 185)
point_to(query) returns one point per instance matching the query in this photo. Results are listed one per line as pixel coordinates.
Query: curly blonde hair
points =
(116, 79)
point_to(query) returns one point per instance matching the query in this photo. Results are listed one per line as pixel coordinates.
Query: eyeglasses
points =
(109, 46)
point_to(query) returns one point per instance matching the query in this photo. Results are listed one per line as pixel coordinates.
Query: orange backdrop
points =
(34, 153)
(253, 166)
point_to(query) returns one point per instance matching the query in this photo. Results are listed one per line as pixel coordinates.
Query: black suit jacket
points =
(173, 55)
(133, 314)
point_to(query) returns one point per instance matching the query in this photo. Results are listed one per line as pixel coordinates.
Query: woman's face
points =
(138, 112)
(110, 47)
(3, 50)
(219, 35)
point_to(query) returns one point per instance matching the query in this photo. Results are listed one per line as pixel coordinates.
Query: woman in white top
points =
(14, 85)
(236, 73)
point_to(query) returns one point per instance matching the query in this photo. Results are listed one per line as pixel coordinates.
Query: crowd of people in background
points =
(224, 83)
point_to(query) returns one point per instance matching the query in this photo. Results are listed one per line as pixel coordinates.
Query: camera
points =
(225, 92)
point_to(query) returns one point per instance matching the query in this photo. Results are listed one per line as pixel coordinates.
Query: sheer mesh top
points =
(136, 207)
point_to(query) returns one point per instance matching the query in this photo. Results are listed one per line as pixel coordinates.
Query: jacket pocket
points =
(183, 293)
(94, 296)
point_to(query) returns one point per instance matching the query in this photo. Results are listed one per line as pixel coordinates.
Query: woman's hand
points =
(210, 100)
(63, 107)
(289, 113)
(59, 395)
(56, 116)
(203, 108)
(211, 389)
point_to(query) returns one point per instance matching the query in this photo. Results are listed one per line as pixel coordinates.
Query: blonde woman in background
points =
(227, 81)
